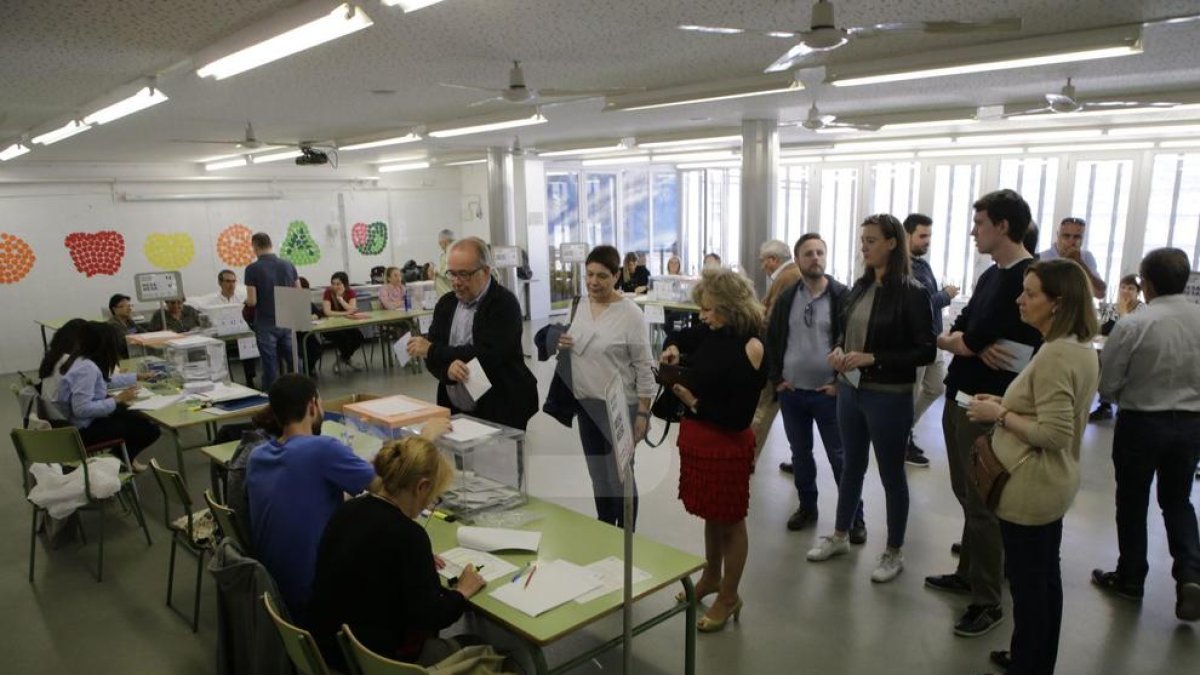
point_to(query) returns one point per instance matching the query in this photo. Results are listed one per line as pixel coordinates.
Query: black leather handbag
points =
(666, 406)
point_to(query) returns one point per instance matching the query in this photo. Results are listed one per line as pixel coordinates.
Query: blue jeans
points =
(607, 488)
(800, 408)
(882, 419)
(274, 343)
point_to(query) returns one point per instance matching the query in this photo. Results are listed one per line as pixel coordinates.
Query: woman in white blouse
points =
(608, 336)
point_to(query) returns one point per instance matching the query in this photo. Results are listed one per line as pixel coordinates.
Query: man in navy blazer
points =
(479, 319)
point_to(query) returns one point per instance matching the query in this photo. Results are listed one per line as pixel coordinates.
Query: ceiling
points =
(59, 55)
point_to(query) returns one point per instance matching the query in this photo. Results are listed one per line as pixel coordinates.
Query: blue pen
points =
(519, 573)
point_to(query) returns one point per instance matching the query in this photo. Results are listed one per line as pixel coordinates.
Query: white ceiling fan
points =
(818, 122)
(824, 35)
(518, 92)
(248, 142)
(1065, 101)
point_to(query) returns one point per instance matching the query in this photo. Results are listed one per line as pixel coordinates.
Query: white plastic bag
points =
(60, 494)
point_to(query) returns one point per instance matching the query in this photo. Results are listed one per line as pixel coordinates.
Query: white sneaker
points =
(827, 547)
(890, 566)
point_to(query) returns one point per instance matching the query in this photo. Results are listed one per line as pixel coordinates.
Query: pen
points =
(520, 572)
(530, 577)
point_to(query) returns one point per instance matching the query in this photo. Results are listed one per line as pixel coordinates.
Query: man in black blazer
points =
(481, 320)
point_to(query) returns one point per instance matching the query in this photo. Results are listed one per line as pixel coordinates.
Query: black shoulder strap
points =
(574, 307)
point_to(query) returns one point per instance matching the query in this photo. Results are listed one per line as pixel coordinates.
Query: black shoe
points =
(979, 620)
(786, 467)
(948, 582)
(1111, 582)
(956, 548)
(1102, 412)
(858, 533)
(801, 519)
(914, 456)
(1187, 604)
(1001, 658)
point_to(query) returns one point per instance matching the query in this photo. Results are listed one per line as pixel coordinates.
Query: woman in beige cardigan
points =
(1039, 424)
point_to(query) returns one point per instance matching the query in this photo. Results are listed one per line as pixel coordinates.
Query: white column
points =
(760, 157)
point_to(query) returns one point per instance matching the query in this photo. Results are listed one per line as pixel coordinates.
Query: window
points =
(839, 221)
(1101, 197)
(665, 220)
(562, 207)
(712, 203)
(894, 188)
(791, 206)
(952, 252)
(1174, 215)
(1035, 179)
(601, 208)
(635, 202)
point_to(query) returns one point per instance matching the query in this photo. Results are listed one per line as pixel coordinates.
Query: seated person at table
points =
(311, 341)
(122, 322)
(341, 300)
(64, 342)
(228, 294)
(376, 570)
(392, 293)
(633, 278)
(294, 483)
(83, 399)
(180, 318)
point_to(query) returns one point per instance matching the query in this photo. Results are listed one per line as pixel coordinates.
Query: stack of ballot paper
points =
(546, 586)
(490, 567)
(498, 539)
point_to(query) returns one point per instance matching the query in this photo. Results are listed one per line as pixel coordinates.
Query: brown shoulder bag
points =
(986, 472)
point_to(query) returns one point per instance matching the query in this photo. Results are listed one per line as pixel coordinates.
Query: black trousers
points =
(347, 341)
(1031, 563)
(1165, 446)
(138, 432)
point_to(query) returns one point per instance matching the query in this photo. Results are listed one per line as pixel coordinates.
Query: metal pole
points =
(627, 606)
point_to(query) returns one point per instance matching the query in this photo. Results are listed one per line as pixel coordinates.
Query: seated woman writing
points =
(376, 571)
(83, 395)
(341, 300)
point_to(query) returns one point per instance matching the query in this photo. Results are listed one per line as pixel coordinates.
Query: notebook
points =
(498, 539)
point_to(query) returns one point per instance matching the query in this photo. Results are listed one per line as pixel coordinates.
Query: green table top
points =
(373, 318)
(189, 414)
(583, 540)
(365, 445)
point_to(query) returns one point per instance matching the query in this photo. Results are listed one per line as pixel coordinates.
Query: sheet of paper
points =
(392, 405)
(247, 348)
(400, 349)
(191, 341)
(654, 313)
(551, 584)
(963, 399)
(611, 574)
(463, 430)
(155, 402)
(228, 392)
(499, 539)
(1022, 354)
(477, 382)
(853, 377)
(157, 335)
(493, 568)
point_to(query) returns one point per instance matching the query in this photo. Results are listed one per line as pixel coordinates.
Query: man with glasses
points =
(479, 320)
(441, 283)
(228, 294)
(782, 273)
(801, 331)
(1069, 245)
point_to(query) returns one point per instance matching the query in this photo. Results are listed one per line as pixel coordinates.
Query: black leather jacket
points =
(900, 332)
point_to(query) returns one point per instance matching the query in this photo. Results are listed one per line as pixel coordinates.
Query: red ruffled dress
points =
(716, 445)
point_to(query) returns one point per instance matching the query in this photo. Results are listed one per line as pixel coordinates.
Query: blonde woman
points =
(392, 292)
(376, 570)
(723, 358)
(1039, 426)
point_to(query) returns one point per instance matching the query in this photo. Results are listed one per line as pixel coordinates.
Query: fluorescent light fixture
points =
(970, 152)
(900, 144)
(275, 157)
(1155, 131)
(226, 164)
(838, 130)
(144, 98)
(929, 123)
(583, 151)
(13, 151)
(484, 127)
(1030, 137)
(1004, 55)
(197, 197)
(1179, 144)
(716, 30)
(465, 162)
(66, 131)
(715, 155)
(708, 165)
(1087, 147)
(406, 166)
(410, 5)
(703, 93)
(617, 161)
(241, 153)
(684, 142)
(870, 156)
(396, 140)
(343, 20)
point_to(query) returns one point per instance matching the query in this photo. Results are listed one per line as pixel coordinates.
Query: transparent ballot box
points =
(391, 416)
(672, 288)
(489, 467)
(197, 358)
(420, 294)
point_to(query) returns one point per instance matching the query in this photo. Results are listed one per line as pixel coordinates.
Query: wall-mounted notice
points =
(573, 252)
(1192, 290)
(506, 257)
(157, 286)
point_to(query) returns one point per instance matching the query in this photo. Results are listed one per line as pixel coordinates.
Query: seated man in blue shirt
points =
(294, 484)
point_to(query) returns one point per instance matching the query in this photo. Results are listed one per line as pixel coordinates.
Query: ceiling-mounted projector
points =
(310, 156)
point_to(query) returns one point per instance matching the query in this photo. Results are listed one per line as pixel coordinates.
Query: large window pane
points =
(894, 188)
(1102, 198)
(791, 207)
(1035, 178)
(562, 207)
(602, 208)
(635, 195)
(665, 221)
(694, 197)
(1174, 216)
(839, 221)
(952, 252)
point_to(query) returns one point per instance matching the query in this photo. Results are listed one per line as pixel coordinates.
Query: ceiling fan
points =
(825, 36)
(817, 122)
(248, 142)
(518, 92)
(1065, 102)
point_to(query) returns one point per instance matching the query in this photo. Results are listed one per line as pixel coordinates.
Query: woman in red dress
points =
(723, 361)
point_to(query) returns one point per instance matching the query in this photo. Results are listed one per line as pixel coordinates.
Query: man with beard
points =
(801, 331)
(294, 483)
(930, 377)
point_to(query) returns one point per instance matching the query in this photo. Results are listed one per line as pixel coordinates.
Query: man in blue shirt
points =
(930, 377)
(294, 484)
(262, 276)
(1069, 245)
